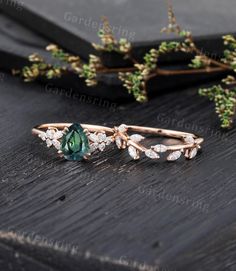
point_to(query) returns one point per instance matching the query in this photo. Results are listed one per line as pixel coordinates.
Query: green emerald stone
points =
(74, 144)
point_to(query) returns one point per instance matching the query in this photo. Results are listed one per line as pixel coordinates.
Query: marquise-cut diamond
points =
(192, 153)
(49, 142)
(102, 146)
(56, 144)
(122, 128)
(108, 140)
(136, 138)
(159, 148)
(58, 135)
(151, 154)
(134, 153)
(189, 139)
(93, 137)
(174, 156)
(43, 136)
(93, 147)
(118, 142)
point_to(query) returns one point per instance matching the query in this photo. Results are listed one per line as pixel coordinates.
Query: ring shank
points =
(91, 128)
(159, 131)
(139, 129)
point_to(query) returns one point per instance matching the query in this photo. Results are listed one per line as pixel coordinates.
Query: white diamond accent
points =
(93, 137)
(58, 135)
(189, 139)
(52, 136)
(174, 156)
(56, 144)
(192, 153)
(136, 138)
(134, 153)
(50, 133)
(151, 154)
(118, 142)
(43, 136)
(159, 148)
(49, 142)
(102, 146)
(108, 140)
(122, 128)
(93, 147)
(101, 137)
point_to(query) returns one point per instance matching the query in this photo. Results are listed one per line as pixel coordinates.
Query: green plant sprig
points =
(225, 101)
(135, 77)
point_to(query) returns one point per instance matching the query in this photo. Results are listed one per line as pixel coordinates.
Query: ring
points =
(79, 141)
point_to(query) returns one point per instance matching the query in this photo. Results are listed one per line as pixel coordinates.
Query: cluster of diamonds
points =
(52, 137)
(98, 141)
(123, 140)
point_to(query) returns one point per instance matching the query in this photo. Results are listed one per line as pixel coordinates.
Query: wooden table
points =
(171, 216)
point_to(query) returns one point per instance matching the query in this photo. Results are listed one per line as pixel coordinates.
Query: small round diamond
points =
(56, 144)
(43, 136)
(58, 135)
(49, 142)
(93, 147)
(50, 134)
(101, 137)
(108, 140)
(102, 146)
(93, 137)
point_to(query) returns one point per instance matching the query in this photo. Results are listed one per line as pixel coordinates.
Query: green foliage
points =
(225, 103)
(109, 43)
(184, 34)
(167, 47)
(135, 81)
(198, 62)
(135, 85)
(61, 55)
(30, 73)
(89, 71)
(229, 80)
(230, 41)
(150, 59)
(230, 52)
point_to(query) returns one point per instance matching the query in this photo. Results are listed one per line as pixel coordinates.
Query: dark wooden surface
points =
(111, 206)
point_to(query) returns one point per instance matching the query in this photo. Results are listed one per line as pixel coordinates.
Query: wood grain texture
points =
(31, 253)
(177, 216)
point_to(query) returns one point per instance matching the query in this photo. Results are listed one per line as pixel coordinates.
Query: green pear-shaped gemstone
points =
(74, 144)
